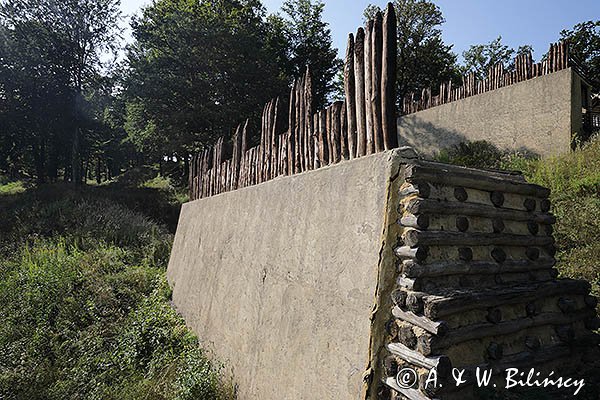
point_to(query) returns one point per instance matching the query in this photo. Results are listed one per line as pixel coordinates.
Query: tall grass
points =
(85, 304)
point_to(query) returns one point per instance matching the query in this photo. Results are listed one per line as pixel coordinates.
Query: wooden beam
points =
(369, 87)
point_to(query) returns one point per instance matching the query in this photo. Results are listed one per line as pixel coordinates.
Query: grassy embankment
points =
(574, 179)
(85, 304)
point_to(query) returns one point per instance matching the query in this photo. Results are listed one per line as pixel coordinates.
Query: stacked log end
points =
(476, 284)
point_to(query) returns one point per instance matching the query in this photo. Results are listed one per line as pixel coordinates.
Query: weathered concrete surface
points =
(539, 115)
(280, 279)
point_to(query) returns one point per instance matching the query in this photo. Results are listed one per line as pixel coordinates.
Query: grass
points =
(85, 303)
(574, 180)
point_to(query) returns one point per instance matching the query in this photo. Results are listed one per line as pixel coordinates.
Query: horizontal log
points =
(408, 283)
(465, 254)
(440, 306)
(414, 302)
(415, 221)
(415, 238)
(514, 176)
(419, 254)
(434, 327)
(441, 364)
(475, 179)
(422, 189)
(406, 334)
(412, 269)
(410, 394)
(431, 344)
(461, 194)
(426, 206)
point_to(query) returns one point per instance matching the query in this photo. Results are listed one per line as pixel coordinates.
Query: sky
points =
(468, 22)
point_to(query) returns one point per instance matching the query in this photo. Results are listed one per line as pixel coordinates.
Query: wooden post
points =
(317, 142)
(359, 79)
(336, 130)
(308, 117)
(323, 142)
(291, 129)
(350, 93)
(301, 126)
(328, 135)
(297, 128)
(388, 78)
(345, 153)
(369, 86)
(376, 69)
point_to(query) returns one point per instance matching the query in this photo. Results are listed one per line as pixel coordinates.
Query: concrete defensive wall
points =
(281, 279)
(327, 284)
(540, 115)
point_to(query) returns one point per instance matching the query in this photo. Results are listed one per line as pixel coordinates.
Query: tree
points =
(584, 44)
(424, 60)
(196, 70)
(479, 58)
(309, 44)
(64, 42)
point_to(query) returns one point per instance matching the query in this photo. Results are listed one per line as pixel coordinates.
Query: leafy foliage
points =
(584, 40)
(309, 43)
(478, 154)
(479, 58)
(51, 62)
(195, 70)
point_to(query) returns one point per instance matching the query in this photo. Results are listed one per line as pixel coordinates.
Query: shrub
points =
(479, 154)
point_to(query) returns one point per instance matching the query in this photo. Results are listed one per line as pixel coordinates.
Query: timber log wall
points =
(327, 283)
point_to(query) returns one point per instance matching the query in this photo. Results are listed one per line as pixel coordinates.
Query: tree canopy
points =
(51, 63)
(584, 40)
(481, 57)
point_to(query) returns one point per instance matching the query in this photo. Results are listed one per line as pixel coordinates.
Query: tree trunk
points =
(76, 150)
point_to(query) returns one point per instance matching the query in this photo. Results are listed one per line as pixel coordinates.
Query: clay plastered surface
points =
(279, 279)
(534, 116)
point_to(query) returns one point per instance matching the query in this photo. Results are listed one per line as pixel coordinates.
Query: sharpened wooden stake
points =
(388, 78)
(376, 70)
(369, 86)
(350, 93)
(359, 79)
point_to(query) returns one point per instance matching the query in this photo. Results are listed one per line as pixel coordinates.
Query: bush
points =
(479, 154)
